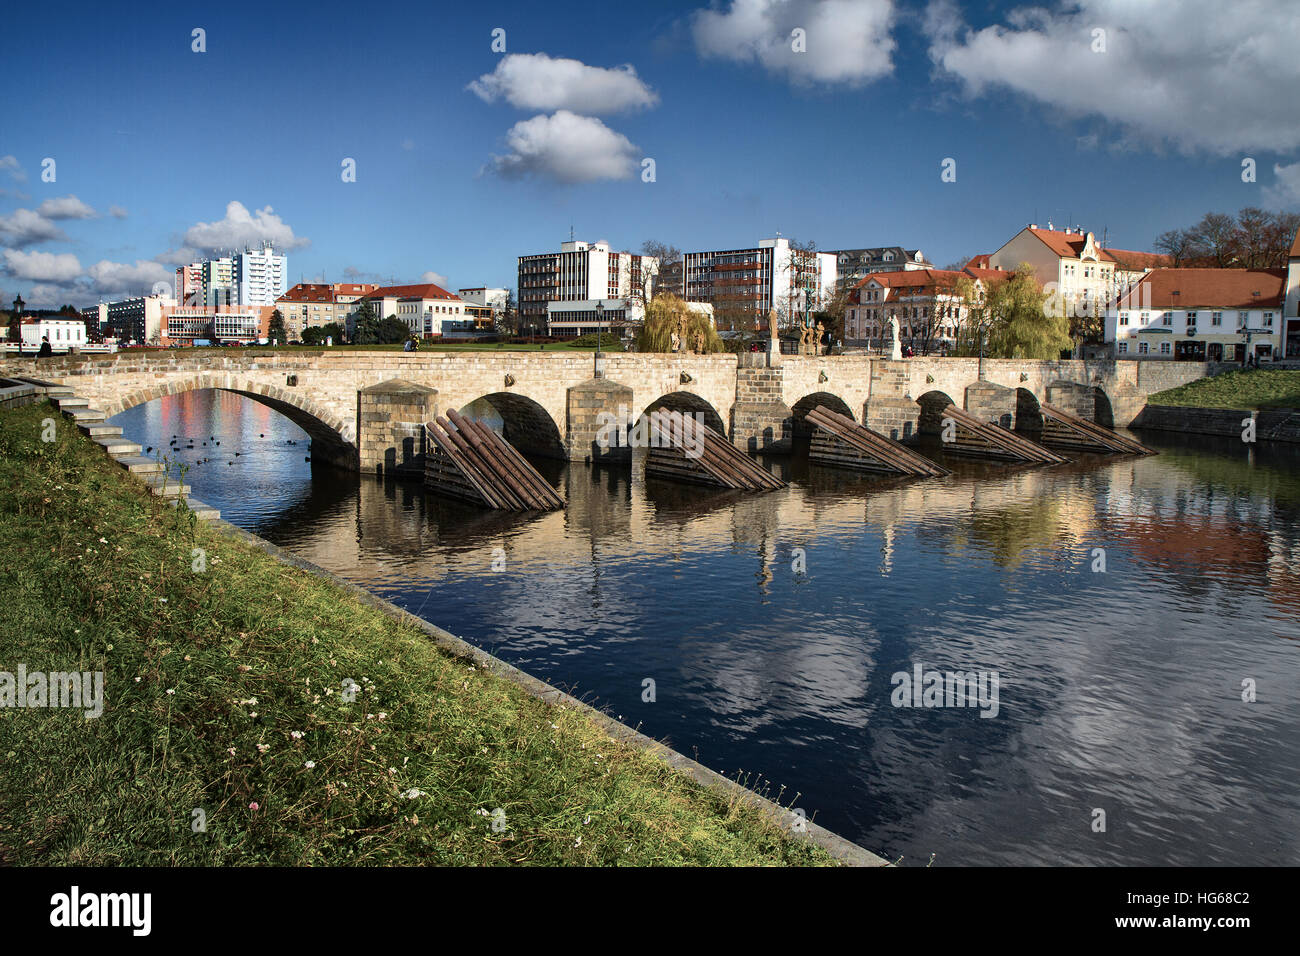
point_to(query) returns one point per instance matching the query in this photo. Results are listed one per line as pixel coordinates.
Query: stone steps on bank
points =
(150, 471)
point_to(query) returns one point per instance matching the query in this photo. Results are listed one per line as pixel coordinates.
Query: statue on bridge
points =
(896, 339)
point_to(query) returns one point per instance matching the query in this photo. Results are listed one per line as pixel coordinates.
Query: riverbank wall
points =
(1273, 424)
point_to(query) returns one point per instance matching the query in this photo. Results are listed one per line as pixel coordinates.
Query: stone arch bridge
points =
(364, 410)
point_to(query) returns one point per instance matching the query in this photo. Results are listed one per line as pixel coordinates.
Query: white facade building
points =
(260, 276)
(1202, 315)
(581, 317)
(746, 284)
(427, 309)
(581, 272)
(139, 319)
(64, 333)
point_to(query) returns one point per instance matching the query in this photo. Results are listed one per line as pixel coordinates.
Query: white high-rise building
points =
(260, 276)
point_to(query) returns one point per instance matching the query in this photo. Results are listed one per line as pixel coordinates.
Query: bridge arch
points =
(689, 403)
(333, 439)
(1029, 411)
(799, 411)
(932, 405)
(520, 420)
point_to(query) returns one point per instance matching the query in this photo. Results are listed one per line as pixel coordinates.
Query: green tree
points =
(365, 328)
(393, 330)
(663, 317)
(312, 335)
(1020, 325)
(276, 332)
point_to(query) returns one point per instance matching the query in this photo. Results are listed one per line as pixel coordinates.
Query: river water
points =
(1144, 713)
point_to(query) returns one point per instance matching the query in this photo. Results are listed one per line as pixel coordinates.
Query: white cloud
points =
(24, 227)
(535, 81)
(42, 266)
(114, 277)
(567, 148)
(117, 212)
(1209, 76)
(67, 207)
(241, 228)
(1285, 193)
(437, 278)
(845, 41)
(10, 165)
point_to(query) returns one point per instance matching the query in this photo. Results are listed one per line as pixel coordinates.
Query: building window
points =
(1164, 348)
(1146, 317)
(1268, 320)
(1168, 318)
(1216, 318)
(1123, 348)
(1142, 348)
(1123, 318)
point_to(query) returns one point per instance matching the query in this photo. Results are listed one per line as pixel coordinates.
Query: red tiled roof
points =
(912, 277)
(988, 275)
(1207, 289)
(425, 290)
(980, 262)
(1069, 245)
(1135, 261)
(309, 292)
(1295, 246)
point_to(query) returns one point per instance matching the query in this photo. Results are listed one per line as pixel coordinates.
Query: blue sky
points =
(841, 144)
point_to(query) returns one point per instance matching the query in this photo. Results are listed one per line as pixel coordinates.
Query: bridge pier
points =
(1075, 397)
(992, 403)
(760, 420)
(390, 427)
(590, 406)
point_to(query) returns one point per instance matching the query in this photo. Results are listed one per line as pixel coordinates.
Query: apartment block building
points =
(581, 272)
(138, 319)
(310, 304)
(744, 285)
(853, 264)
(1202, 315)
(259, 276)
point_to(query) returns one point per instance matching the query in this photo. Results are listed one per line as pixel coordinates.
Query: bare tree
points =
(1216, 234)
(1178, 244)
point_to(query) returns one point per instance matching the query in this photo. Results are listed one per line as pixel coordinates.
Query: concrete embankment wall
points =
(1275, 424)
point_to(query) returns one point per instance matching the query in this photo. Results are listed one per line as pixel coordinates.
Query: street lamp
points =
(600, 331)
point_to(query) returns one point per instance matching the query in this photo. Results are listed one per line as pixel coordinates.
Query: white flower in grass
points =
(263, 748)
(310, 764)
(171, 690)
(103, 541)
(415, 792)
(296, 734)
(578, 842)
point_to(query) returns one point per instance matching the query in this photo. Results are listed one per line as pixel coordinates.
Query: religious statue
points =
(683, 332)
(676, 341)
(896, 344)
(700, 341)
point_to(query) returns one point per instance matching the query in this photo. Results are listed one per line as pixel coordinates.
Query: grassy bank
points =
(224, 674)
(1253, 388)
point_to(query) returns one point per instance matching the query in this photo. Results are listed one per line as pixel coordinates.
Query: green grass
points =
(1253, 388)
(210, 673)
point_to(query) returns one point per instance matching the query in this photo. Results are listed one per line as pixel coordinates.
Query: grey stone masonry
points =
(760, 420)
(992, 403)
(390, 426)
(591, 405)
(1074, 397)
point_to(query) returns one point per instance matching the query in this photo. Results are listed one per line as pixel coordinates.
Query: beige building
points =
(311, 304)
(926, 302)
(1070, 262)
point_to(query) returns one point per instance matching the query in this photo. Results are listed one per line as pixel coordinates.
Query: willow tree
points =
(1021, 326)
(663, 317)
